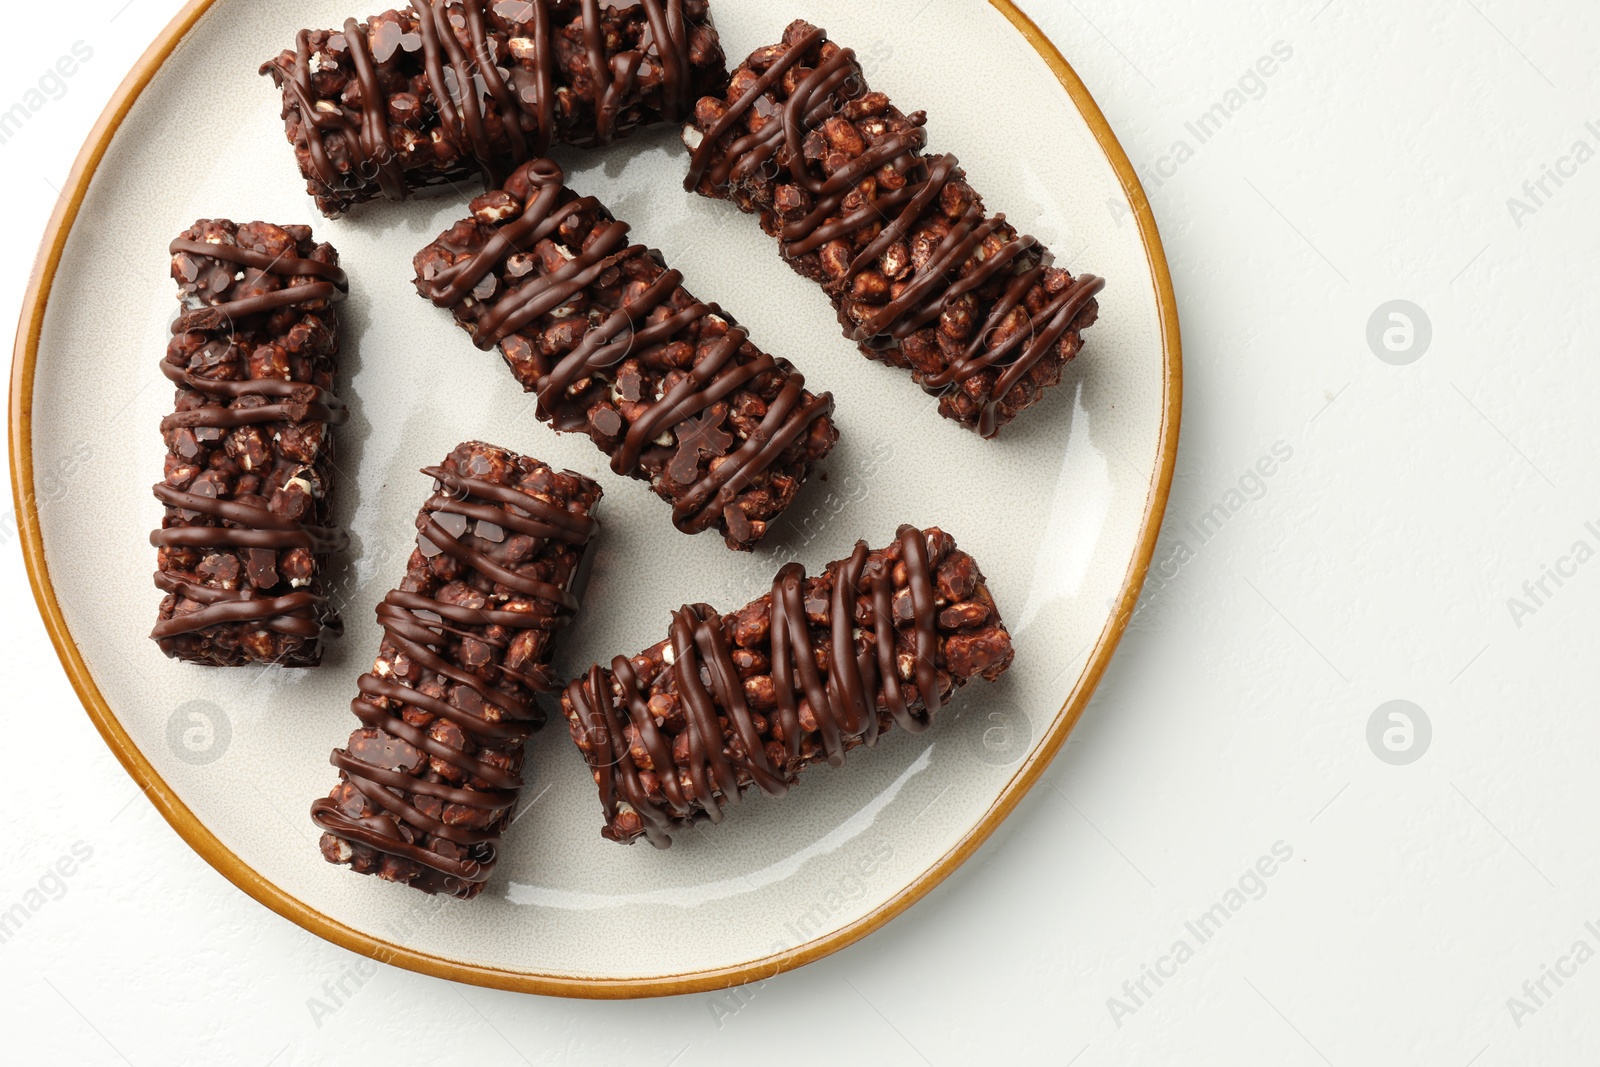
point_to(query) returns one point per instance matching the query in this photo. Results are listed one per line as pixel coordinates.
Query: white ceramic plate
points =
(1061, 512)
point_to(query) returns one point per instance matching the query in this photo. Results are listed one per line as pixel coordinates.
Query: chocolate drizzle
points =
(468, 520)
(692, 410)
(252, 529)
(330, 284)
(491, 90)
(883, 607)
(823, 93)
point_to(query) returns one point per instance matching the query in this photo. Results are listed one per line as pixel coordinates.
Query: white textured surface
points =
(1376, 564)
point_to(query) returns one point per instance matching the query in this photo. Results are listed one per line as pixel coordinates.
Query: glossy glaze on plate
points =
(1063, 513)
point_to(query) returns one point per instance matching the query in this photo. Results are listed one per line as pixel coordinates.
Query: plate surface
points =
(1061, 512)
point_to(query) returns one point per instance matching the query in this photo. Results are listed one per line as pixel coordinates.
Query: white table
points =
(1412, 907)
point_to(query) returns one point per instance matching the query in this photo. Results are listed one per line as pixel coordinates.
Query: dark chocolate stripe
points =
(300, 614)
(290, 266)
(233, 418)
(252, 527)
(416, 625)
(471, 91)
(709, 381)
(295, 393)
(331, 284)
(246, 528)
(708, 683)
(934, 287)
(548, 522)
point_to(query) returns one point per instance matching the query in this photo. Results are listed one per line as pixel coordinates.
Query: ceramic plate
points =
(1061, 512)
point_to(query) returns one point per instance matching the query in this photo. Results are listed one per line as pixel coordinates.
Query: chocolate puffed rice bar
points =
(675, 734)
(376, 108)
(614, 346)
(428, 781)
(248, 528)
(921, 276)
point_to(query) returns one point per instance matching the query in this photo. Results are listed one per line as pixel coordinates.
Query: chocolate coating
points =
(920, 275)
(677, 733)
(614, 346)
(375, 109)
(429, 780)
(247, 525)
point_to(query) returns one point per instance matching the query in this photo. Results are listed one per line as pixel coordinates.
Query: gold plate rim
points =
(230, 866)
